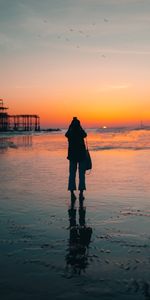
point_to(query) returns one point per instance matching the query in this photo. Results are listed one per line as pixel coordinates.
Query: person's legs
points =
(72, 178)
(82, 186)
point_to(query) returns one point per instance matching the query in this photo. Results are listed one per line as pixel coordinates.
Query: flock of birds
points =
(73, 34)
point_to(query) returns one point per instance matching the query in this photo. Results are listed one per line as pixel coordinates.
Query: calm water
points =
(38, 258)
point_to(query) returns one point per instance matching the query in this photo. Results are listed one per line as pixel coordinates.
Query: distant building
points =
(17, 122)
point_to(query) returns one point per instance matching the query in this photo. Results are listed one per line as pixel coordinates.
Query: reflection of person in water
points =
(80, 237)
(76, 156)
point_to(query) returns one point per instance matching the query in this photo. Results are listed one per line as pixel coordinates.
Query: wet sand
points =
(49, 249)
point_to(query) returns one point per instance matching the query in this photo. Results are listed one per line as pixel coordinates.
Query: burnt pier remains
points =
(17, 122)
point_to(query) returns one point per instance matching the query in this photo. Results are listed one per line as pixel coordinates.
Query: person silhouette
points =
(76, 156)
(79, 240)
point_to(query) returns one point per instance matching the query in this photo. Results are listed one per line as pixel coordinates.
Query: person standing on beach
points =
(76, 156)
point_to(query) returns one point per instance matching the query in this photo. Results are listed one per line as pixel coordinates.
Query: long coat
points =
(76, 145)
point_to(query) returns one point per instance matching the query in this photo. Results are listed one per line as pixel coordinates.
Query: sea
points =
(49, 249)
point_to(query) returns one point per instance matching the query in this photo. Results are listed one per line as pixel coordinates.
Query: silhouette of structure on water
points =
(79, 240)
(17, 122)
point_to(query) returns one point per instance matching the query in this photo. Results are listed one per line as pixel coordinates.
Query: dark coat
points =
(76, 145)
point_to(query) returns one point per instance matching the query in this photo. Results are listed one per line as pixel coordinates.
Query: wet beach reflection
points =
(24, 141)
(79, 239)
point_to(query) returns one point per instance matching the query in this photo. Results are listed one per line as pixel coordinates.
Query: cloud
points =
(4, 39)
(118, 86)
(113, 51)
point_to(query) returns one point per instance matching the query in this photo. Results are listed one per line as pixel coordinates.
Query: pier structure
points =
(17, 122)
(4, 123)
(24, 122)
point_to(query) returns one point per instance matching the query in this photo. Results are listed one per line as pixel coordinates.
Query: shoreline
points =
(12, 133)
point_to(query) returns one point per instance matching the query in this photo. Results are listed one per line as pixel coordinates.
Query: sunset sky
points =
(85, 58)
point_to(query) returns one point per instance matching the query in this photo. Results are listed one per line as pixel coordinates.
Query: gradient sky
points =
(85, 58)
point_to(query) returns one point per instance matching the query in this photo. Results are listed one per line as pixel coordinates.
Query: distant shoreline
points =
(51, 129)
(11, 133)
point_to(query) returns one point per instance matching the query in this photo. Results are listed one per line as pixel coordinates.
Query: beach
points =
(40, 255)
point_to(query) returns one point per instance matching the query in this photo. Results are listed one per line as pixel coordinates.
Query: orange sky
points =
(87, 60)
